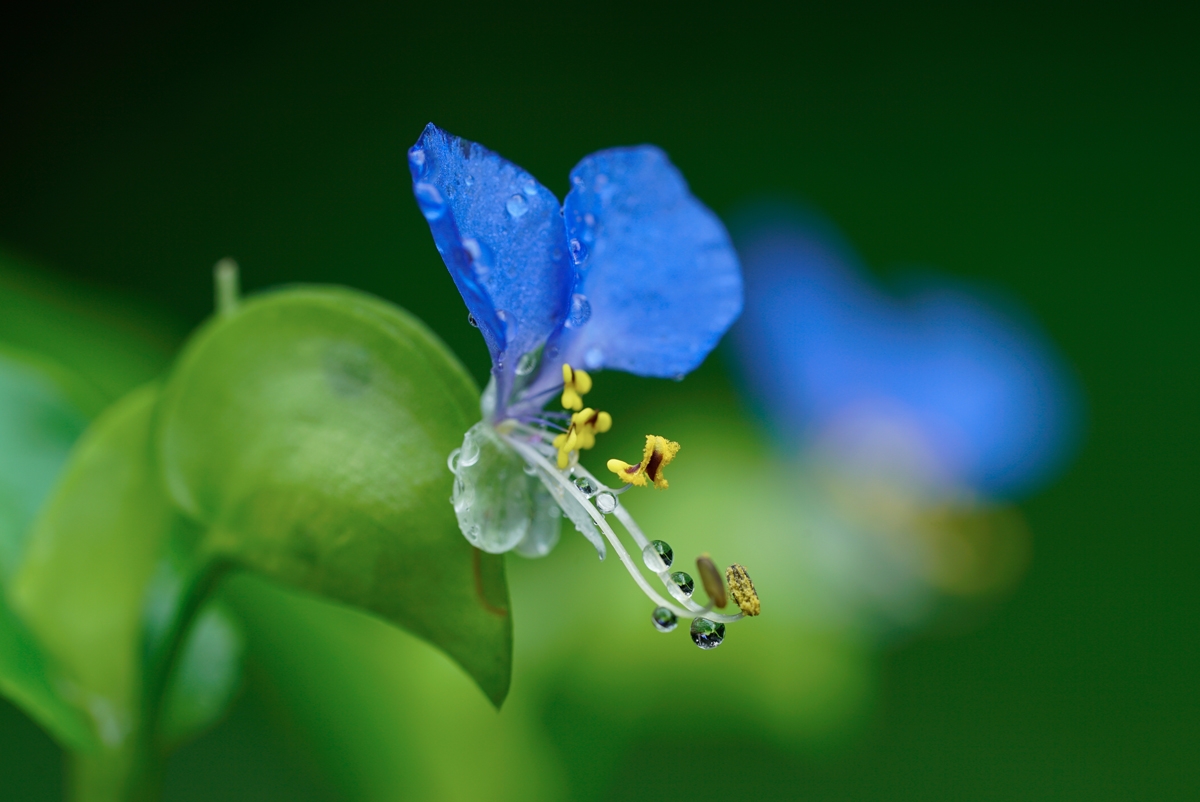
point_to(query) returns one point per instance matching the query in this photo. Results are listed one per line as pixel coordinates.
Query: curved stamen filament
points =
(534, 455)
(640, 538)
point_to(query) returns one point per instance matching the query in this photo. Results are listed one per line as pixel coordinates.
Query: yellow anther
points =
(657, 455)
(566, 442)
(741, 588)
(576, 384)
(587, 423)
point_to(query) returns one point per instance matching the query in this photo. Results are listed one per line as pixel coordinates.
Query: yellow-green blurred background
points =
(1051, 152)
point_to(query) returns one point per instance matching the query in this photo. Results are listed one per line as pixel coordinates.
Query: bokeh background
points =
(1049, 153)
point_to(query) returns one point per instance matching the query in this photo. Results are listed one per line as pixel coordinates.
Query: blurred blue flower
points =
(962, 382)
(631, 272)
(910, 418)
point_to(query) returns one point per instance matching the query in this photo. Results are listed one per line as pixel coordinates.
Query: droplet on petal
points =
(433, 206)
(664, 620)
(707, 634)
(658, 555)
(581, 310)
(416, 159)
(579, 251)
(593, 359)
(471, 319)
(517, 205)
(681, 585)
(606, 503)
(527, 363)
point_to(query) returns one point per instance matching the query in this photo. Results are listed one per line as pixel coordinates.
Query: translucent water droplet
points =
(707, 634)
(586, 486)
(530, 188)
(471, 319)
(471, 246)
(681, 585)
(470, 180)
(469, 453)
(433, 206)
(517, 205)
(452, 460)
(527, 363)
(530, 470)
(606, 503)
(581, 310)
(464, 495)
(658, 555)
(593, 359)
(416, 160)
(579, 251)
(664, 620)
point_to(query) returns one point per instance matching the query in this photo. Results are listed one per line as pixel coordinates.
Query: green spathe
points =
(307, 431)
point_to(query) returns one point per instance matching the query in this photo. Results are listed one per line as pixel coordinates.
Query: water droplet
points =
(471, 319)
(530, 188)
(464, 495)
(707, 634)
(530, 470)
(452, 460)
(593, 359)
(470, 180)
(606, 503)
(586, 486)
(471, 246)
(430, 200)
(664, 620)
(681, 585)
(517, 205)
(527, 363)
(579, 251)
(581, 310)
(678, 377)
(658, 556)
(416, 160)
(469, 454)
(590, 219)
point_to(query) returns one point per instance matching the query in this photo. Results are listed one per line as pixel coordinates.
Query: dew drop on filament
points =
(707, 634)
(606, 503)
(664, 620)
(657, 555)
(681, 585)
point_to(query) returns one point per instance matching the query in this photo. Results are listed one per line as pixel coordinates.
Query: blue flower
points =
(911, 419)
(631, 272)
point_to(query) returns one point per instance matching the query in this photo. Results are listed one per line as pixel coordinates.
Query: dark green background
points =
(1051, 152)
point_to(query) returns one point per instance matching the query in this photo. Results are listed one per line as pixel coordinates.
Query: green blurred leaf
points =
(111, 342)
(206, 677)
(44, 408)
(90, 557)
(308, 432)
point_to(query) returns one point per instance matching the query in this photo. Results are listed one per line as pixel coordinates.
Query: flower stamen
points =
(656, 456)
(576, 384)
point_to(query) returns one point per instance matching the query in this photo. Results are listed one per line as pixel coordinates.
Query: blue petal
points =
(835, 360)
(657, 280)
(501, 235)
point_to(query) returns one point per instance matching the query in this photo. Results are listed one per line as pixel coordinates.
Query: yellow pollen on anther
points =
(566, 442)
(587, 423)
(656, 456)
(576, 384)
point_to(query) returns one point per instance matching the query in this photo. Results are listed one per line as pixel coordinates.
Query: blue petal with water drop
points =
(501, 236)
(947, 369)
(657, 281)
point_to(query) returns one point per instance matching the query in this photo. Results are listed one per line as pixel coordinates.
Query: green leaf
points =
(308, 432)
(206, 677)
(43, 410)
(90, 557)
(111, 342)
